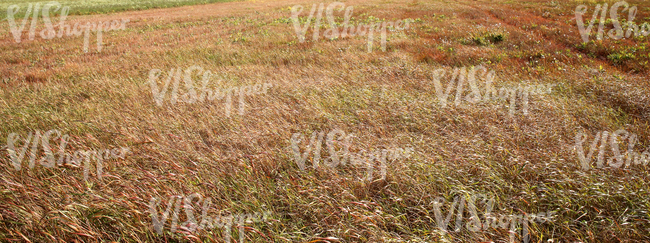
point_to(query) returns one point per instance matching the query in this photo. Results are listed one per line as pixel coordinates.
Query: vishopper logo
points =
(491, 221)
(347, 30)
(613, 139)
(468, 76)
(49, 159)
(617, 32)
(337, 139)
(204, 93)
(206, 223)
(49, 31)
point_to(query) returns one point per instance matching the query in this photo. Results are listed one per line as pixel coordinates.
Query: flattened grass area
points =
(244, 163)
(84, 7)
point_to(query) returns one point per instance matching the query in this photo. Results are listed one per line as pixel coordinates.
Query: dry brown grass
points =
(244, 164)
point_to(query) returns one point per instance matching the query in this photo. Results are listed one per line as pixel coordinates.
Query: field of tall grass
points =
(145, 163)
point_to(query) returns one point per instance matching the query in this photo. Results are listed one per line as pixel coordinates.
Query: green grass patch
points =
(86, 7)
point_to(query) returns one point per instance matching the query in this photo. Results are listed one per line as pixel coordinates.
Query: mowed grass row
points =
(244, 163)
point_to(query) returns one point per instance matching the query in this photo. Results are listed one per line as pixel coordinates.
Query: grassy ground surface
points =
(244, 163)
(83, 7)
